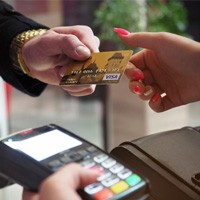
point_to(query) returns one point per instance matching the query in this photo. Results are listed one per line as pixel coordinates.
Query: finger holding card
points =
(81, 90)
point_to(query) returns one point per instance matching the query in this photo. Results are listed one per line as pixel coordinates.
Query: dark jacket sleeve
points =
(13, 23)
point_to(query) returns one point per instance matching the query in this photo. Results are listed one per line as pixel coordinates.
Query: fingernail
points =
(121, 31)
(138, 76)
(155, 97)
(97, 169)
(148, 91)
(137, 90)
(83, 51)
(62, 71)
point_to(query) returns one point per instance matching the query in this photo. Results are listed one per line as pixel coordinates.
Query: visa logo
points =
(111, 77)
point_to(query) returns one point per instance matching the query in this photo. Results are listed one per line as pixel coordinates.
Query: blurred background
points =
(112, 114)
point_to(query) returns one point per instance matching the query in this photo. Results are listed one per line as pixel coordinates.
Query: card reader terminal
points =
(28, 157)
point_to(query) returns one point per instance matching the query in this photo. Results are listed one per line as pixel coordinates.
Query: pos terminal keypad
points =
(115, 178)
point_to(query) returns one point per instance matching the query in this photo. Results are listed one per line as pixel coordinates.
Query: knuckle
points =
(85, 28)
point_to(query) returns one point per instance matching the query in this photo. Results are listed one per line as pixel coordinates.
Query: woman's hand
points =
(166, 71)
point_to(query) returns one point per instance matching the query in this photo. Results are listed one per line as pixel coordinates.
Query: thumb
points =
(78, 176)
(155, 41)
(143, 39)
(69, 45)
(88, 176)
(64, 183)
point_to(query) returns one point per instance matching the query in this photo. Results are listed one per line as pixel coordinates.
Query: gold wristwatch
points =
(17, 45)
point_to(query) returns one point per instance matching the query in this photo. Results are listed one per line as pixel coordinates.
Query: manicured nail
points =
(137, 90)
(121, 31)
(138, 76)
(83, 51)
(148, 91)
(155, 97)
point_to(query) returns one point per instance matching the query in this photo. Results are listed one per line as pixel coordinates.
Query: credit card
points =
(101, 68)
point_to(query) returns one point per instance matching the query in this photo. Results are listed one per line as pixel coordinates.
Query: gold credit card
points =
(100, 68)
